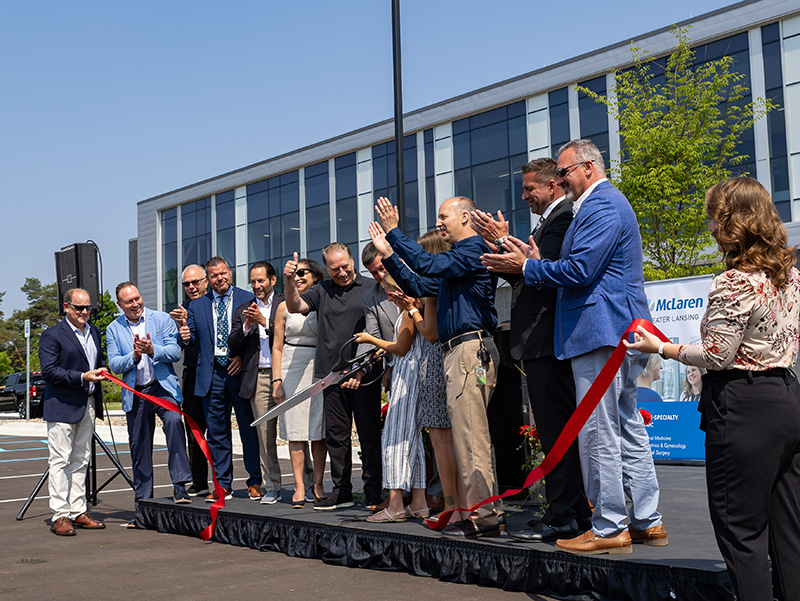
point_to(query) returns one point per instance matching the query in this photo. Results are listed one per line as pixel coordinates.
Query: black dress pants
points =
(753, 478)
(551, 389)
(341, 407)
(193, 407)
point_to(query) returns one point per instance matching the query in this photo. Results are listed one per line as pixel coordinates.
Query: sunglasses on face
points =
(80, 308)
(564, 171)
(302, 272)
(193, 283)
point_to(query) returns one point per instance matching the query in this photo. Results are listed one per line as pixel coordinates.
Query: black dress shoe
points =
(469, 529)
(542, 533)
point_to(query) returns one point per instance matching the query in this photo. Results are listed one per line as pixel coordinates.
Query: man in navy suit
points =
(600, 284)
(71, 356)
(142, 346)
(218, 377)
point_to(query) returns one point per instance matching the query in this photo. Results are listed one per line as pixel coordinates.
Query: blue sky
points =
(106, 103)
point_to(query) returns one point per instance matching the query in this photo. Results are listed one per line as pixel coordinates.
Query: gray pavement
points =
(127, 565)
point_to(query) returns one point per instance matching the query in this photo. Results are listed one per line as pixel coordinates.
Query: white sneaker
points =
(271, 497)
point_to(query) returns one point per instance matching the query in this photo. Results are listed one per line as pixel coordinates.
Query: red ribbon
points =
(208, 532)
(573, 426)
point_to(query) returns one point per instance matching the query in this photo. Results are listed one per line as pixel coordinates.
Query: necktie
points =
(538, 226)
(222, 328)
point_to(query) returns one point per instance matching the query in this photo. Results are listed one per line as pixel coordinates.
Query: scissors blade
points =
(299, 397)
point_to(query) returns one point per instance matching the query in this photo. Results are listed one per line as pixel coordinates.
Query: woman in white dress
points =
(293, 353)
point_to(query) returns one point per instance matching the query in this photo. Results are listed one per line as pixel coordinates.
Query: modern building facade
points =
(472, 145)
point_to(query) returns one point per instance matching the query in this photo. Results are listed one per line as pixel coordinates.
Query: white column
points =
(365, 200)
(422, 208)
(613, 124)
(240, 219)
(574, 113)
(443, 161)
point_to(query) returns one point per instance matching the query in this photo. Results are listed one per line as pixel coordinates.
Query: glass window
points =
(594, 115)
(559, 119)
(776, 120)
(196, 231)
(169, 258)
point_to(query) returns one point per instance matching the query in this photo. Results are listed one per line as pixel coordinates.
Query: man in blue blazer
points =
(600, 284)
(142, 346)
(71, 356)
(218, 380)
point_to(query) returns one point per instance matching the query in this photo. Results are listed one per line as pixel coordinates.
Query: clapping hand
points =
(513, 259)
(489, 228)
(405, 302)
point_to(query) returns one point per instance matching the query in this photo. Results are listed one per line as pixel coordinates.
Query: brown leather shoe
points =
(84, 520)
(62, 527)
(435, 503)
(655, 536)
(212, 498)
(589, 543)
(254, 492)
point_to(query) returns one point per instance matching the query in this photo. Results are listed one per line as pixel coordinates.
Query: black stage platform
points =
(689, 568)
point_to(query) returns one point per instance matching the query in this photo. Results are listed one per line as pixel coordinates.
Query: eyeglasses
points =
(80, 308)
(564, 171)
(302, 272)
(193, 283)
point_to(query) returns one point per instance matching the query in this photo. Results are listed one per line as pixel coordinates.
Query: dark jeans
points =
(223, 396)
(753, 478)
(341, 407)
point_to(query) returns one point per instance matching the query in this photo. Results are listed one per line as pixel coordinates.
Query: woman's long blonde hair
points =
(748, 225)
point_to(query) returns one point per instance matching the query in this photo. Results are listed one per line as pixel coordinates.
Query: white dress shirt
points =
(88, 345)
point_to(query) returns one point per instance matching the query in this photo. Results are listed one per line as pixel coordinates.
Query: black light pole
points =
(398, 115)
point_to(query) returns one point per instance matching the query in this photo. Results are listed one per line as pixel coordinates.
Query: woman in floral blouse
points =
(750, 399)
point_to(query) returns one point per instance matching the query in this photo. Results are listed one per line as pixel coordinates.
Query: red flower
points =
(646, 415)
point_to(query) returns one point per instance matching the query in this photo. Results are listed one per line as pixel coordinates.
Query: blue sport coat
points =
(63, 364)
(599, 275)
(166, 351)
(201, 325)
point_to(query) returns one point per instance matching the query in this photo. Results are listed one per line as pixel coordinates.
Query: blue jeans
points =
(615, 448)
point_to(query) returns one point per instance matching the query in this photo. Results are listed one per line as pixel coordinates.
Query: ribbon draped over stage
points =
(576, 422)
(208, 532)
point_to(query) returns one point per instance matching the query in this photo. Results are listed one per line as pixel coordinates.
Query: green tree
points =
(680, 125)
(42, 310)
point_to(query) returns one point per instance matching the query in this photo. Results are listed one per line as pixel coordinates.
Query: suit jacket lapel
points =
(74, 339)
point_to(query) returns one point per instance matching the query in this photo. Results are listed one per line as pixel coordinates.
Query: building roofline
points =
(455, 107)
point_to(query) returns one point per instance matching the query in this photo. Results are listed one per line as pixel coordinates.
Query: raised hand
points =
(378, 236)
(290, 269)
(184, 331)
(387, 214)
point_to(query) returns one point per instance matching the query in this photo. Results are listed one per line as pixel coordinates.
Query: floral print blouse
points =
(749, 324)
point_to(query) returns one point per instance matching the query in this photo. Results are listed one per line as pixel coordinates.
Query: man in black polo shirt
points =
(339, 303)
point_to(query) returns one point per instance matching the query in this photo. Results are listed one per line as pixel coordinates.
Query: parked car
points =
(12, 393)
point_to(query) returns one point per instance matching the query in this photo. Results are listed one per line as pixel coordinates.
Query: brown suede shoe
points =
(589, 543)
(655, 536)
(84, 520)
(255, 493)
(62, 527)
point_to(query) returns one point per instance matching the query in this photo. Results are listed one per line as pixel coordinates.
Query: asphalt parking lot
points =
(121, 564)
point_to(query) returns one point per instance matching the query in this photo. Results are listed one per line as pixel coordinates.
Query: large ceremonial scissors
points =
(344, 370)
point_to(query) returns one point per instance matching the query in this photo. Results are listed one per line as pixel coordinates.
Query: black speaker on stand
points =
(76, 267)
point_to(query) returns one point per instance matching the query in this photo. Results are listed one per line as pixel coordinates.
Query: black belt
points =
(737, 374)
(265, 370)
(456, 340)
(141, 387)
(300, 345)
